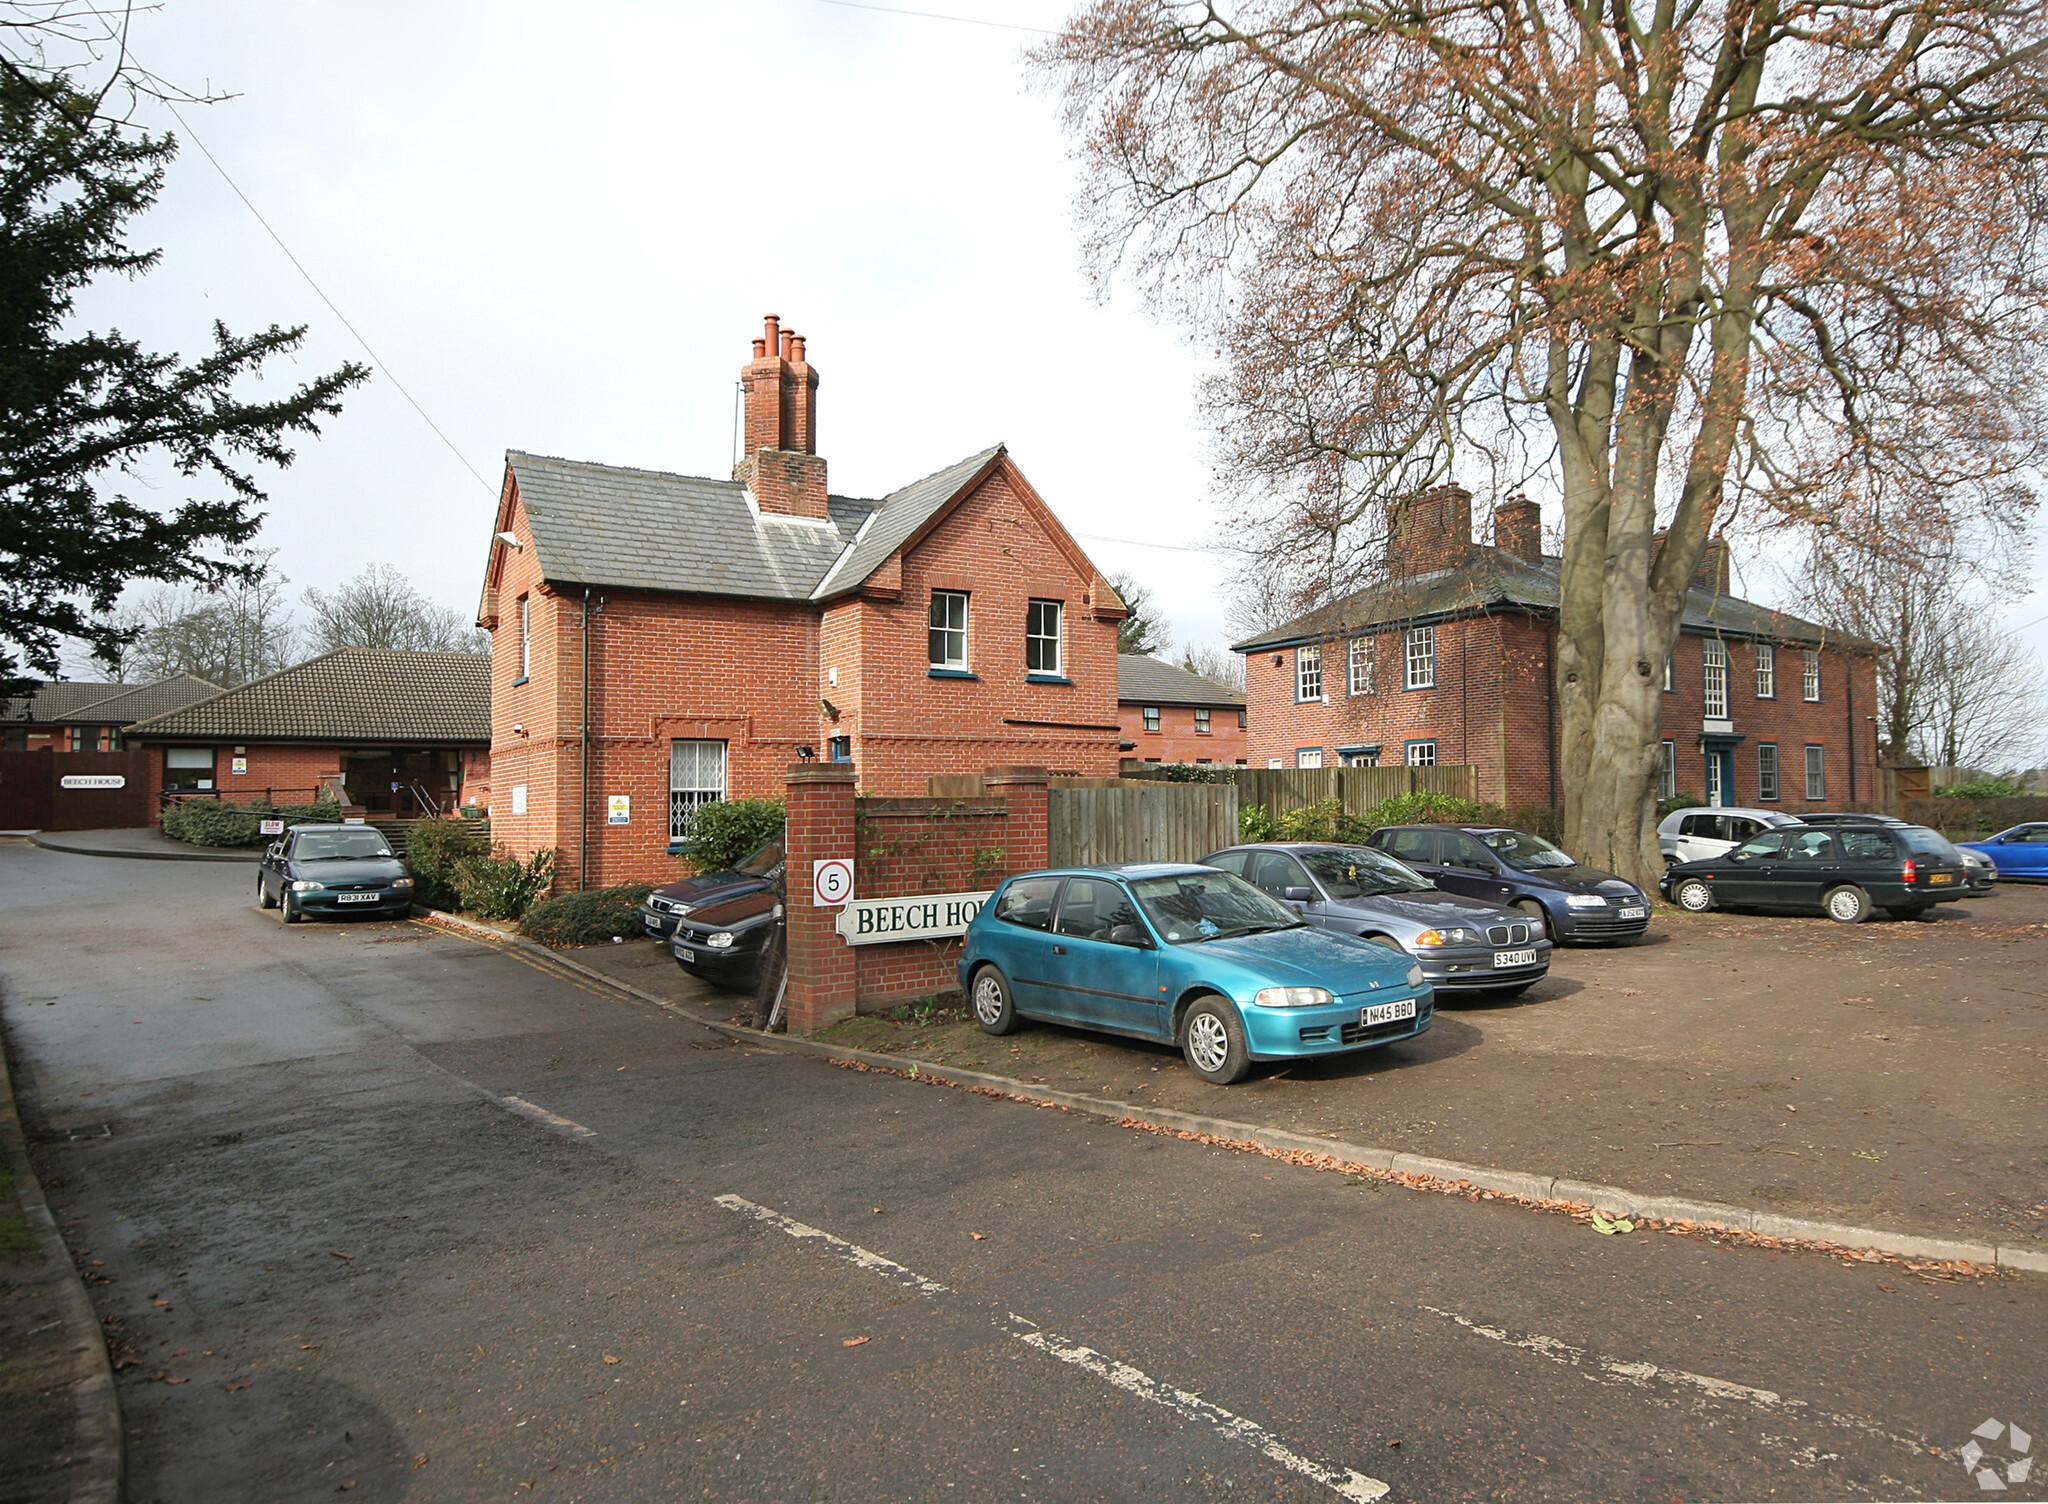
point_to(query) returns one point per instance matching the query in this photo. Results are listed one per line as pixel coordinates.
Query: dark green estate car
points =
(1842, 871)
(332, 869)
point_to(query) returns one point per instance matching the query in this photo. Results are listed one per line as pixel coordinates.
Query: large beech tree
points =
(1669, 257)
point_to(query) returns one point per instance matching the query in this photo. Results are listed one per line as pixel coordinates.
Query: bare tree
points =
(1142, 631)
(229, 636)
(381, 608)
(1662, 259)
(1218, 665)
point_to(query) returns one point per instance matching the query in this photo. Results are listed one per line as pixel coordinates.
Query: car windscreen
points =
(1359, 872)
(1186, 907)
(1928, 842)
(1520, 849)
(340, 846)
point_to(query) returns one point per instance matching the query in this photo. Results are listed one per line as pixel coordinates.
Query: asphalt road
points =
(393, 1214)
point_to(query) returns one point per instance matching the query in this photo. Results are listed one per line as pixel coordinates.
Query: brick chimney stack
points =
(1518, 529)
(1432, 531)
(780, 463)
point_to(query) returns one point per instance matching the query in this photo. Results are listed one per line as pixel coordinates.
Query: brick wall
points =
(291, 772)
(1177, 740)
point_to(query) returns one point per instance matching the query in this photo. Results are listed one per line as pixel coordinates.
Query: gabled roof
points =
(349, 695)
(55, 700)
(146, 700)
(1144, 680)
(1493, 580)
(895, 519)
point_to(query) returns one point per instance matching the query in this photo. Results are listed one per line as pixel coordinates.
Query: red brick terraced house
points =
(1452, 661)
(1171, 715)
(660, 641)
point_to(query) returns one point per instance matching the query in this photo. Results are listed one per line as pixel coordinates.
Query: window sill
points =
(951, 673)
(1047, 679)
(521, 680)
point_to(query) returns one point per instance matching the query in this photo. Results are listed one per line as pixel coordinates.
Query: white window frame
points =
(1766, 671)
(1667, 773)
(1359, 661)
(1308, 757)
(1041, 641)
(1671, 672)
(525, 636)
(1308, 675)
(939, 634)
(1816, 770)
(1420, 754)
(696, 777)
(1418, 657)
(1714, 678)
(1809, 675)
(1767, 788)
(1202, 720)
(1151, 722)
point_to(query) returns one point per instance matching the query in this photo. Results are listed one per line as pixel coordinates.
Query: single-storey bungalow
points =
(63, 715)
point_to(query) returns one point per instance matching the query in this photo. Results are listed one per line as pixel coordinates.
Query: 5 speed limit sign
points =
(831, 883)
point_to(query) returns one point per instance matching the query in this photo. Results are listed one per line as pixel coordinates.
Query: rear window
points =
(1409, 845)
(1928, 842)
(1028, 902)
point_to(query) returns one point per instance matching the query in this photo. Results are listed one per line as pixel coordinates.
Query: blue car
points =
(1187, 956)
(2019, 852)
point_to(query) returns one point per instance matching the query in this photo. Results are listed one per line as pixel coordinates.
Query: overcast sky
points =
(558, 227)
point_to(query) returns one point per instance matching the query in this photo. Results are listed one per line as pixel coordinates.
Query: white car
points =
(1695, 835)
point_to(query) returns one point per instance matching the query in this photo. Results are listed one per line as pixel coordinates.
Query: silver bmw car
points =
(1464, 945)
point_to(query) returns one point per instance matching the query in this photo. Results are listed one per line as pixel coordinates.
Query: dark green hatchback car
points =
(1842, 871)
(332, 869)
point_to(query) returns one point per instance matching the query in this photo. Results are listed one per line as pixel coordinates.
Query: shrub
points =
(1423, 807)
(216, 822)
(1678, 802)
(1254, 823)
(1186, 772)
(1966, 819)
(1982, 788)
(497, 885)
(435, 848)
(586, 918)
(720, 835)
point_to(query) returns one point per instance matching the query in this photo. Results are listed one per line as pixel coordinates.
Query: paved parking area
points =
(1887, 1073)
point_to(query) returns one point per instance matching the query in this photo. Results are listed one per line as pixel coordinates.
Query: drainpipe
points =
(583, 793)
(1851, 678)
(1550, 705)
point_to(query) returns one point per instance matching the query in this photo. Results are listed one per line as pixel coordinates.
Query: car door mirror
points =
(1132, 935)
(276, 849)
(1298, 895)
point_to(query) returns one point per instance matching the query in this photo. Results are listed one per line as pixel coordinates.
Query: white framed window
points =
(1201, 720)
(1422, 754)
(525, 636)
(1671, 673)
(1042, 637)
(1359, 655)
(696, 777)
(1667, 772)
(1418, 649)
(1809, 676)
(1240, 720)
(948, 638)
(1359, 757)
(1308, 677)
(1766, 771)
(1714, 655)
(1766, 671)
(1308, 757)
(1151, 717)
(1816, 771)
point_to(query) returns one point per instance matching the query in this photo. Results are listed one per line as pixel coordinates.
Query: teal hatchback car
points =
(1187, 956)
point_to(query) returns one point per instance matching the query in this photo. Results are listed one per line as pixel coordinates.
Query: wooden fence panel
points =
(1140, 822)
(1358, 789)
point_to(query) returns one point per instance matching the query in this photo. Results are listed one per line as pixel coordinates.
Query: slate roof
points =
(55, 699)
(1492, 580)
(384, 695)
(598, 524)
(145, 700)
(1147, 681)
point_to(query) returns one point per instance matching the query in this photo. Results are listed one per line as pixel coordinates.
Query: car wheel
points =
(1212, 1039)
(1541, 915)
(1694, 895)
(1847, 904)
(263, 898)
(287, 911)
(993, 1009)
(1388, 941)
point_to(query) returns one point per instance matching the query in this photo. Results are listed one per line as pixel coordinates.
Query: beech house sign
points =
(930, 916)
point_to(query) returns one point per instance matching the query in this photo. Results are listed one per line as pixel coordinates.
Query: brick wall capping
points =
(811, 772)
(1017, 775)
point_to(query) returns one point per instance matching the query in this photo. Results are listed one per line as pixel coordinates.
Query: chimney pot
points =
(760, 349)
(796, 346)
(773, 336)
(780, 463)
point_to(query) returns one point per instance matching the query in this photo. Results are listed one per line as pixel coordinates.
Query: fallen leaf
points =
(419, 1462)
(609, 1358)
(159, 1302)
(348, 1258)
(184, 1381)
(306, 1347)
(857, 1341)
(979, 1237)
(346, 1486)
(1607, 1228)
(243, 1385)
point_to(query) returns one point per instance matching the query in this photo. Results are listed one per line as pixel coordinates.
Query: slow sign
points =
(93, 781)
(931, 916)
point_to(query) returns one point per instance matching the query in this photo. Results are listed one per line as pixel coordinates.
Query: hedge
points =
(589, 918)
(214, 822)
(1970, 818)
(434, 849)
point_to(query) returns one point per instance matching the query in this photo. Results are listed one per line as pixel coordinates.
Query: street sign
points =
(93, 781)
(270, 827)
(831, 882)
(618, 809)
(930, 916)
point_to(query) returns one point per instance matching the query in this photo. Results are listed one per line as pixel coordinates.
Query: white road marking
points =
(1639, 1375)
(541, 1115)
(1132, 1381)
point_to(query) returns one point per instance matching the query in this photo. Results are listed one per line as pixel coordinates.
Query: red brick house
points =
(61, 715)
(401, 733)
(660, 641)
(1452, 661)
(1171, 715)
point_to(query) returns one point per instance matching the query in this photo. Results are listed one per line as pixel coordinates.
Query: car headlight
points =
(1584, 901)
(1455, 935)
(401, 882)
(305, 887)
(1293, 997)
(1415, 976)
(720, 940)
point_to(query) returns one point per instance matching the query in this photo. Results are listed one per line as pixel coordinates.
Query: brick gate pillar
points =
(1026, 833)
(822, 975)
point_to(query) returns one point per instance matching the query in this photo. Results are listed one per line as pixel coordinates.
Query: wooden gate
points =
(1140, 822)
(74, 790)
